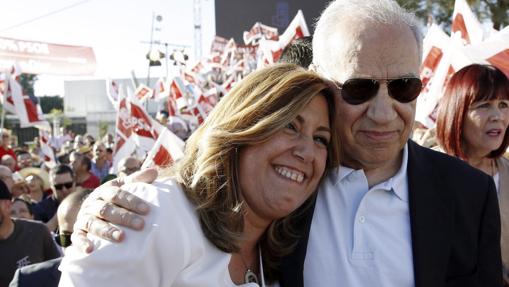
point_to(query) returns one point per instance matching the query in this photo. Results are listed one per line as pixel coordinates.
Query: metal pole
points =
(166, 58)
(150, 48)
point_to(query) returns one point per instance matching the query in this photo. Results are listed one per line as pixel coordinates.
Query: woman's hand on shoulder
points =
(109, 204)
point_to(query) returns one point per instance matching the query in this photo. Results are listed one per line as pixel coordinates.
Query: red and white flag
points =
(493, 51)
(5, 97)
(143, 93)
(178, 98)
(435, 70)
(113, 91)
(271, 50)
(259, 31)
(466, 24)
(136, 131)
(167, 149)
(28, 112)
(161, 89)
(47, 151)
(124, 144)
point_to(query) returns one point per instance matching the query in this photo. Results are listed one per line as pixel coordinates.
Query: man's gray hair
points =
(341, 14)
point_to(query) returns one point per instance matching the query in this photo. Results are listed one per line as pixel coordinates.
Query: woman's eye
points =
(322, 140)
(292, 127)
(503, 104)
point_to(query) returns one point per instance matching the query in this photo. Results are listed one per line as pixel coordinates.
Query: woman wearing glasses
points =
(229, 209)
(472, 124)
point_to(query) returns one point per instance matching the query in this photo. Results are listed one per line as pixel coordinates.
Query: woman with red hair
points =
(472, 124)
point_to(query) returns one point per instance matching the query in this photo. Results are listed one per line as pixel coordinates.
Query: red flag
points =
(167, 149)
(501, 61)
(466, 24)
(178, 94)
(143, 92)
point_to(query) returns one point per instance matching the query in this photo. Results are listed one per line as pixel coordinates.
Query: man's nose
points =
(381, 107)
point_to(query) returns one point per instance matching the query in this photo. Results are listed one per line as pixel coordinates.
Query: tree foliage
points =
(440, 11)
(27, 83)
(48, 104)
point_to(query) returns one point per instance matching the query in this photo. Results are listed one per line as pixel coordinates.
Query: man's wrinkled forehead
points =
(372, 51)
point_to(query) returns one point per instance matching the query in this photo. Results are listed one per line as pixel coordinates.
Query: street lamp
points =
(154, 55)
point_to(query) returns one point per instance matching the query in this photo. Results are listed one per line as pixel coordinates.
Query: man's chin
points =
(371, 158)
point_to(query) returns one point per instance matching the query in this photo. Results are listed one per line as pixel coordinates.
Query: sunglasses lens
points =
(358, 91)
(61, 185)
(405, 90)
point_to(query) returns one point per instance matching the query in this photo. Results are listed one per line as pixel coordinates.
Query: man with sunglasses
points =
(394, 213)
(22, 242)
(62, 183)
(46, 273)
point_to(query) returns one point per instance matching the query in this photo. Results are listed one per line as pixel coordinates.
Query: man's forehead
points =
(374, 51)
(63, 177)
(5, 172)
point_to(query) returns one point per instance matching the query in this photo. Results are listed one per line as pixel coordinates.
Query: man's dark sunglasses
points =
(66, 184)
(358, 91)
(63, 238)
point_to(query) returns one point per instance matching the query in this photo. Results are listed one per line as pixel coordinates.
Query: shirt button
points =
(362, 219)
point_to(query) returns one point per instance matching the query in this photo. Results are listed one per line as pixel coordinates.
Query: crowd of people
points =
(305, 174)
(33, 190)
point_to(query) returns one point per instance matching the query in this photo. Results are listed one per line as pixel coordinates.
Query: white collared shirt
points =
(361, 236)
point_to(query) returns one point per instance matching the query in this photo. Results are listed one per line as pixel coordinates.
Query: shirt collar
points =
(398, 183)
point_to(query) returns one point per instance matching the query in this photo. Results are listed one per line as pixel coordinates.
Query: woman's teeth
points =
(292, 174)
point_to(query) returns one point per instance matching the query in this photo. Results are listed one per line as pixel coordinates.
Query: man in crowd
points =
(62, 183)
(5, 145)
(22, 242)
(81, 166)
(100, 163)
(46, 273)
(6, 176)
(128, 165)
(8, 161)
(394, 213)
(299, 52)
(14, 181)
(24, 159)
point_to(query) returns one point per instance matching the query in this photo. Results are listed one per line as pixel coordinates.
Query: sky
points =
(115, 29)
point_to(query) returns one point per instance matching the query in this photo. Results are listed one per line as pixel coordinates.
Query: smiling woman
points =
(472, 124)
(229, 210)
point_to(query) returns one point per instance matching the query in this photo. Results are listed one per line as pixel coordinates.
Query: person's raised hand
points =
(109, 204)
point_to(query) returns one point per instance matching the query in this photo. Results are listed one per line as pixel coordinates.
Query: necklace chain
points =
(249, 276)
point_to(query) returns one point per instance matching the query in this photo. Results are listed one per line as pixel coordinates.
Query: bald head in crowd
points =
(128, 165)
(6, 176)
(9, 162)
(69, 208)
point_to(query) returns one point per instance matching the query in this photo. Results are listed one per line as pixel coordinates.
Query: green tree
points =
(497, 11)
(49, 103)
(103, 129)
